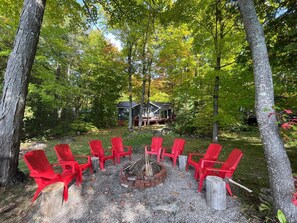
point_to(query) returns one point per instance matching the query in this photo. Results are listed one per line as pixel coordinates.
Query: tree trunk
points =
(144, 61)
(141, 103)
(15, 88)
(279, 169)
(215, 131)
(149, 91)
(144, 69)
(148, 100)
(130, 125)
(217, 38)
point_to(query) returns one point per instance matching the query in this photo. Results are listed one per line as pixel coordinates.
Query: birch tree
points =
(279, 168)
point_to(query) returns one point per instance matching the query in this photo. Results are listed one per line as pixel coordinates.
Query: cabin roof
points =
(159, 105)
(125, 104)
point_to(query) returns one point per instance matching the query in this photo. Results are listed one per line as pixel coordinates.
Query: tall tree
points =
(103, 75)
(215, 31)
(54, 95)
(129, 37)
(150, 10)
(130, 73)
(279, 169)
(124, 16)
(16, 79)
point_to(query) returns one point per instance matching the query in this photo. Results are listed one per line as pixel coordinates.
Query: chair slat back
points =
(64, 153)
(117, 144)
(212, 152)
(38, 163)
(232, 161)
(96, 147)
(178, 146)
(156, 143)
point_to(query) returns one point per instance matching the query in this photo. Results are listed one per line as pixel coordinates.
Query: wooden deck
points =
(152, 121)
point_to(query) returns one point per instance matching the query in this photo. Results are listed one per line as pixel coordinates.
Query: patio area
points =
(102, 198)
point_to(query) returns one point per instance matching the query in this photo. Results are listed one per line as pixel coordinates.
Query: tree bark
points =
(215, 131)
(130, 67)
(149, 91)
(142, 102)
(217, 39)
(144, 70)
(15, 88)
(279, 168)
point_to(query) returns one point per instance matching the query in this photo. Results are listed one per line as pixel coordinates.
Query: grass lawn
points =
(251, 172)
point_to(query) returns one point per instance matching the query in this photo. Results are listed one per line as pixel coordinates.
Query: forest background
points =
(79, 75)
(192, 54)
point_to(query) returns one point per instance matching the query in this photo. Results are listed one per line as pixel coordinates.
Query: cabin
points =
(154, 112)
(123, 110)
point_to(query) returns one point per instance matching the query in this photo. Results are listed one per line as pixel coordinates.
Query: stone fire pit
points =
(135, 175)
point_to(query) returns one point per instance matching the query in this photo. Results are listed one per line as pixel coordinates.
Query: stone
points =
(166, 207)
(131, 178)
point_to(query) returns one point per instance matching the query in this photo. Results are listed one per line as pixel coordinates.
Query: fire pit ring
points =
(142, 181)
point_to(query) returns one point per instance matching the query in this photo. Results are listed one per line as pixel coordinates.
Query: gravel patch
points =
(101, 198)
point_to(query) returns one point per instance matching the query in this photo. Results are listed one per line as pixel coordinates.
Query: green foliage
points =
(281, 217)
(103, 113)
(73, 68)
(104, 78)
(76, 69)
(80, 126)
(9, 18)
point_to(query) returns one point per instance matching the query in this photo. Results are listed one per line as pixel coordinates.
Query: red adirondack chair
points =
(294, 200)
(212, 153)
(155, 148)
(226, 171)
(98, 151)
(176, 150)
(43, 174)
(119, 149)
(65, 156)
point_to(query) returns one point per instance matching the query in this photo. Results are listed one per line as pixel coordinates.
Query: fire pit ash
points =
(143, 173)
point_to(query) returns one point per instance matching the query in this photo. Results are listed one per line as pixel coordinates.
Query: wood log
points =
(216, 192)
(52, 199)
(237, 184)
(95, 163)
(182, 162)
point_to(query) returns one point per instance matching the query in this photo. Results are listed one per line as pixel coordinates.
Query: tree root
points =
(18, 178)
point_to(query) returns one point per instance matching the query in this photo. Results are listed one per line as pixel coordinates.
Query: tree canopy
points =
(191, 53)
(71, 65)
